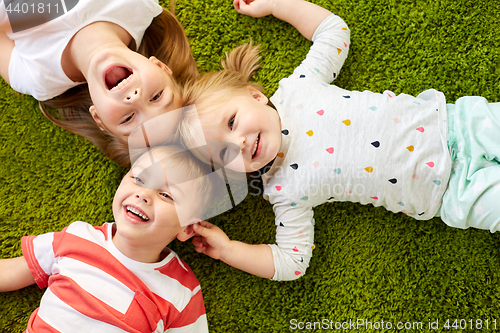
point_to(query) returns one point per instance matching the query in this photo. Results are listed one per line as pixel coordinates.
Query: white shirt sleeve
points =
(329, 50)
(295, 240)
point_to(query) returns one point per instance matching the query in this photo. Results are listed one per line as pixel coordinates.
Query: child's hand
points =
(254, 8)
(254, 259)
(210, 240)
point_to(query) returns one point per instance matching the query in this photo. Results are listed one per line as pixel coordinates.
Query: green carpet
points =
(369, 264)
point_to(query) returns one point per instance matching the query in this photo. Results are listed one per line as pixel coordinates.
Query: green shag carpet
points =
(370, 266)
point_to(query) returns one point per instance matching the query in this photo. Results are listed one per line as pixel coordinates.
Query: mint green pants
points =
(473, 195)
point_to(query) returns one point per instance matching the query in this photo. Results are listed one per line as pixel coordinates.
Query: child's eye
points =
(166, 195)
(128, 119)
(223, 153)
(157, 96)
(138, 180)
(231, 122)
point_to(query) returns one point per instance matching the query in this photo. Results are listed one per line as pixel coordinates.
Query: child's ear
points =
(160, 64)
(258, 95)
(96, 118)
(187, 233)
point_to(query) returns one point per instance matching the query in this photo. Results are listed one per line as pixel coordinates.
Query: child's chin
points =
(254, 167)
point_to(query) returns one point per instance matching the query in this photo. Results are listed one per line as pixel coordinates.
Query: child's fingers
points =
(254, 8)
(241, 6)
(199, 245)
(200, 249)
(206, 224)
(197, 241)
(203, 228)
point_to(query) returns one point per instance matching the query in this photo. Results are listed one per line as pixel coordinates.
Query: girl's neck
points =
(87, 42)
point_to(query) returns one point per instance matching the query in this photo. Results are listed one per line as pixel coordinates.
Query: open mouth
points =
(117, 77)
(136, 213)
(255, 146)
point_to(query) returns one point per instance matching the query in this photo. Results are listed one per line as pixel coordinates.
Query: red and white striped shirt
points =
(93, 287)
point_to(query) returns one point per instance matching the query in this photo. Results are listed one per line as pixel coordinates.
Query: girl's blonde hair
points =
(166, 40)
(211, 90)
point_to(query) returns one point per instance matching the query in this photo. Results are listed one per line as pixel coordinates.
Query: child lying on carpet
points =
(120, 277)
(107, 46)
(320, 143)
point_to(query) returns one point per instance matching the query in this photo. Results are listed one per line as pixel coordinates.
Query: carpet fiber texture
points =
(371, 268)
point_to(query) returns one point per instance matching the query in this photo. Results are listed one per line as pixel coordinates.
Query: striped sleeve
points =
(39, 254)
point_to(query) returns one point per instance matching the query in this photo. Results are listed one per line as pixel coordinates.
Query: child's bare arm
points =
(253, 259)
(14, 274)
(304, 16)
(4, 18)
(6, 47)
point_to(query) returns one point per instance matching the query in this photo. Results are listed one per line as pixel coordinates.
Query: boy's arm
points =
(15, 274)
(253, 259)
(304, 16)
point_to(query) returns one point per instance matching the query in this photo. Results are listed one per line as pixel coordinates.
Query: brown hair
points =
(166, 40)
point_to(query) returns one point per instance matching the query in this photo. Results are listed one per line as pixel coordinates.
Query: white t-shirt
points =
(35, 65)
(382, 149)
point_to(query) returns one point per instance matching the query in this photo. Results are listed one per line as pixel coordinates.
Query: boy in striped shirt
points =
(120, 277)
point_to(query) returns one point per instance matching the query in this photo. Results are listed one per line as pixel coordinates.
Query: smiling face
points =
(128, 89)
(150, 212)
(249, 125)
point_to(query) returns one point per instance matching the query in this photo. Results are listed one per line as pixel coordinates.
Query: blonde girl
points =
(415, 155)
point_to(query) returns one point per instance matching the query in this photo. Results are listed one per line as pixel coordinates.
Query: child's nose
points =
(242, 142)
(242, 146)
(143, 196)
(133, 95)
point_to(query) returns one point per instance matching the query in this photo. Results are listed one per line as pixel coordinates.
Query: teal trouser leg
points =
(473, 195)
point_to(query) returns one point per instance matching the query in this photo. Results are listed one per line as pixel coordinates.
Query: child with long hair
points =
(120, 276)
(106, 66)
(319, 143)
